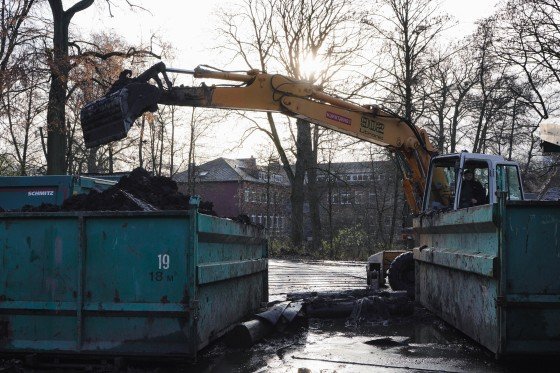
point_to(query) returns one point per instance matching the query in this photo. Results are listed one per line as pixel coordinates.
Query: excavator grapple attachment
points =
(110, 117)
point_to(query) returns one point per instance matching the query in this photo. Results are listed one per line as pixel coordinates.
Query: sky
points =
(189, 26)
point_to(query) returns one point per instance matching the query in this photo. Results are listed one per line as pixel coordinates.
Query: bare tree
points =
(286, 35)
(408, 29)
(23, 104)
(93, 71)
(60, 67)
(16, 31)
(200, 124)
(61, 63)
(449, 80)
(529, 33)
(20, 83)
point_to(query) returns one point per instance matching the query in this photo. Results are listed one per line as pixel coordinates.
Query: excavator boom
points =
(111, 117)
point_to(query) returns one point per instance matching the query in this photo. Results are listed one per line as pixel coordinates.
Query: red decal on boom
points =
(339, 118)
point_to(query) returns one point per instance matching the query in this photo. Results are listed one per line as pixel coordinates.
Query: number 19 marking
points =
(163, 261)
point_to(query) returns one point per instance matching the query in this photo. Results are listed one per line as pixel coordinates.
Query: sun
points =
(310, 66)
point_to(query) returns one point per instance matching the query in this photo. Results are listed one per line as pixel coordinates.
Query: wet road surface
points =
(285, 276)
(418, 343)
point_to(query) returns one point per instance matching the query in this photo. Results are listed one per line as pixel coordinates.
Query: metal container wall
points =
(138, 283)
(530, 302)
(493, 272)
(18, 191)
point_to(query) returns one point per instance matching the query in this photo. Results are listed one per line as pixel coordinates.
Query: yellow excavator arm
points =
(111, 117)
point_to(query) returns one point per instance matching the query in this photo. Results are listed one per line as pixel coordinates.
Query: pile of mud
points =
(137, 191)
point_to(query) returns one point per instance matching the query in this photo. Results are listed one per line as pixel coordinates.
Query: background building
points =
(362, 199)
(241, 187)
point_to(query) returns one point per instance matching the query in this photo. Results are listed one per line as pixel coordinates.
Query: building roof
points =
(246, 169)
(355, 167)
(225, 169)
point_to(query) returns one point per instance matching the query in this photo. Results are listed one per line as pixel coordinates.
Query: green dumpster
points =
(162, 283)
(493, 272)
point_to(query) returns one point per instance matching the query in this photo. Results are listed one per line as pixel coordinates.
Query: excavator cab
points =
(550, 135)
(447, 187)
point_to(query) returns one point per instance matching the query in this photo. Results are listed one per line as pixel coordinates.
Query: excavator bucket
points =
(110, 117)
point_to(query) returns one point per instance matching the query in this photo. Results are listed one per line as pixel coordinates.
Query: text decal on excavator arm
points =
(371, 127)
(339, 118)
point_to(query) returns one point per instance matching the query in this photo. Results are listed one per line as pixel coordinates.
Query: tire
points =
(401, 273)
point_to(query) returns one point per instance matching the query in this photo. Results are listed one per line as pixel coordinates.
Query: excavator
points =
(431, 182)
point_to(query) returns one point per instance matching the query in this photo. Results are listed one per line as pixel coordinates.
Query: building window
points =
(334, 198)
(359, 198)
(345, 198)
(247, 195)
(388, 221)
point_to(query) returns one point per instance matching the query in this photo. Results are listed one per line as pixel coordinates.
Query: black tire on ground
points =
(401, 273)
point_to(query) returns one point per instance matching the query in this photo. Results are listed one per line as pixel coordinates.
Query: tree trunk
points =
(395, 205)
(141, 142)
(92, 166)
(313, 192)
(111, 160)
(56, 131)
(303, 146)
(161, 147)
(172, 145)
(59, 68)
(191, 170)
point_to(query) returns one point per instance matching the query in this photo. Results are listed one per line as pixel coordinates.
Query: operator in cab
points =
(472, 191)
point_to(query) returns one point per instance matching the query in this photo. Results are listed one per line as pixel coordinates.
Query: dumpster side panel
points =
(457, 270)
(531, 305)
(37, 283)
(232, 272)
(135, 285)
(493, 272)
(125, 283)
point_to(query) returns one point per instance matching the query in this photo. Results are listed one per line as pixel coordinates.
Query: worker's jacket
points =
(472, 189)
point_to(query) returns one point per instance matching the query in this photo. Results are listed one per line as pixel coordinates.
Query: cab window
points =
(507, 180)
(441, 192)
